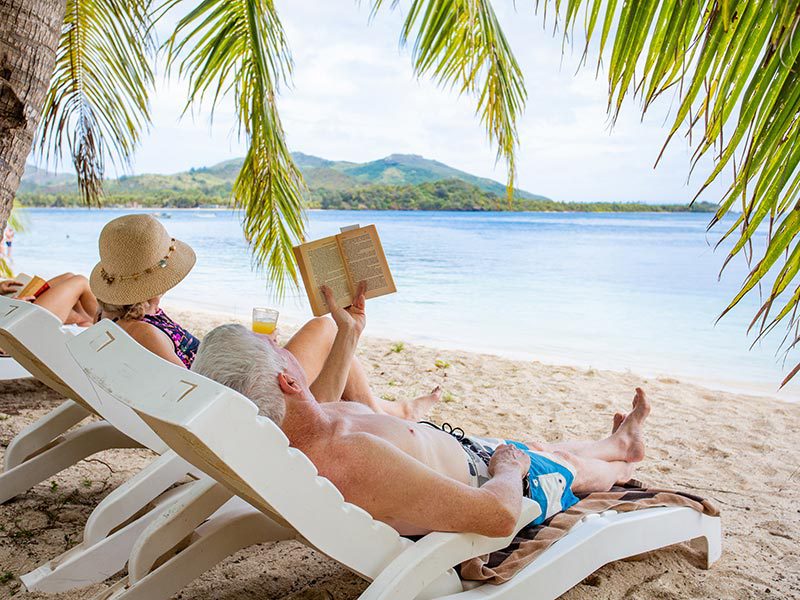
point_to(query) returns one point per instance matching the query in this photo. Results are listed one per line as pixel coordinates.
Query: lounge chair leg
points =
(84, 565)
(234, 526)
(75, 446)
(174, 524)
(36, 436)
(130, 497)
(711, 541)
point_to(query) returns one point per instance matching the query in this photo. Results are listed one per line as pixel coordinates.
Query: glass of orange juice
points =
(265, 320)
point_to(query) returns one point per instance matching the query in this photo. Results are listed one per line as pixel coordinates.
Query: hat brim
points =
(147, 285)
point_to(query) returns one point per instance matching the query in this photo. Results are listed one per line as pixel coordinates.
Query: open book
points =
(340, 262)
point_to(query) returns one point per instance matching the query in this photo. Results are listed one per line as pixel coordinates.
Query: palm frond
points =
(736, 69)
(97, 104)
(17, 219)
(238, 48)
(460, 44)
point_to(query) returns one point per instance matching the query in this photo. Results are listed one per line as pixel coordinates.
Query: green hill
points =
(397, 182)
(397, 169)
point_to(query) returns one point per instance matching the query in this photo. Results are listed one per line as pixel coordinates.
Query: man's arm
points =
(350, 322)
(398, 489)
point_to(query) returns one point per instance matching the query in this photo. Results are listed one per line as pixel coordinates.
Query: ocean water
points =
(632, 292)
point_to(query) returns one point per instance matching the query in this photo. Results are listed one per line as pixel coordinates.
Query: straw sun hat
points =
(138, 261)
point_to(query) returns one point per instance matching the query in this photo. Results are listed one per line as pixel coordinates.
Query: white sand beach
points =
(741, 451)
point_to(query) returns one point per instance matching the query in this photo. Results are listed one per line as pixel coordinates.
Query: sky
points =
(354, 97)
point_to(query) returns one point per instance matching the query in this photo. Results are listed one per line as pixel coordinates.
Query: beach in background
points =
(628, 292)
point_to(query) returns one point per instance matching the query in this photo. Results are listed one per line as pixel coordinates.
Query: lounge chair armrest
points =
(423, 563)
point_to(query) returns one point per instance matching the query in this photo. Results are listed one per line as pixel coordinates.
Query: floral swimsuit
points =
(185, 343)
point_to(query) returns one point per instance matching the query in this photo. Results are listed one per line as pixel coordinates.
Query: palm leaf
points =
(736, 68)
(460, 44)
(237, 48)
(97, 107)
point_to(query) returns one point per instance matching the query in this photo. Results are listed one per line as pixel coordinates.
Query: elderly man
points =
(413, 476)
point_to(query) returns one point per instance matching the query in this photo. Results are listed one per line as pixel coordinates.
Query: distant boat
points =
(163, 215)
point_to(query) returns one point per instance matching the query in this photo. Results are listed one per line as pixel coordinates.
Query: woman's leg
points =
(70, 299)
(311, 345)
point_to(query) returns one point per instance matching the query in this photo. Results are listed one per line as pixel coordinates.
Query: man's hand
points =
(9, 286)
(352, 317)
(509, 457)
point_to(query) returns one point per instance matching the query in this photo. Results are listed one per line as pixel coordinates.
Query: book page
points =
(321, 264)
(365, 260)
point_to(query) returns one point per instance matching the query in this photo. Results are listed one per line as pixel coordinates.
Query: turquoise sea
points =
(632, 292)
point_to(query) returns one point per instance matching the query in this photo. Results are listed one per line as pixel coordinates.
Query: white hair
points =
(234, 357)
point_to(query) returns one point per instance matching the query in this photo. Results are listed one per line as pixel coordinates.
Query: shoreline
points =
(749, 388)
(420, 210)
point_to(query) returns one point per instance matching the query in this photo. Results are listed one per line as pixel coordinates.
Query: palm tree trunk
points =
(31, 30)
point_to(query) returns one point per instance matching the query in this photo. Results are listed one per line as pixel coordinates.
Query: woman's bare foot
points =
(419, 407)
(630, 430)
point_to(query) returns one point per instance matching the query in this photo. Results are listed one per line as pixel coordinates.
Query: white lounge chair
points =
(220, 432)
(36, 339)
(11, 369)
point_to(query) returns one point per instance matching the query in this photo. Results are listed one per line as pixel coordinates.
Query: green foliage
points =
(211, 186)
(441, 364)
(238, 47)
(458, 195)
(397, 348)
(461, 45)
(97, 104)
(7, 577)
(735, 68)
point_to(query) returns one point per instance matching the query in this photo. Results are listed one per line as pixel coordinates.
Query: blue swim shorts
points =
(549, 483)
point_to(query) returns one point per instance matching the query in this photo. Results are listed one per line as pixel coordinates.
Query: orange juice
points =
(263, 327)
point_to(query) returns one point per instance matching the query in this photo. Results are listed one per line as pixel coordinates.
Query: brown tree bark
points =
(30, 33)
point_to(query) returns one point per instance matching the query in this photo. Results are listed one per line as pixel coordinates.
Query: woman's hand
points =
(352, 317)
(9, 286)
(508, 456)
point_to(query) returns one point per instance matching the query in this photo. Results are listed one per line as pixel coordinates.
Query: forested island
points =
(397, 182)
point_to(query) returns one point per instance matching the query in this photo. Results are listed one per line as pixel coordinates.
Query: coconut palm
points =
(731, 65)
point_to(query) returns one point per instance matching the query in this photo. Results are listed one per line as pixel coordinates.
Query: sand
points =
(741, 451)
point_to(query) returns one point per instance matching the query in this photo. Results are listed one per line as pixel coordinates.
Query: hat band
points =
(110, 279)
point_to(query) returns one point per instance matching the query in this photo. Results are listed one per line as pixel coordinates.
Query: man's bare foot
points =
(631, 429)
(419, 407)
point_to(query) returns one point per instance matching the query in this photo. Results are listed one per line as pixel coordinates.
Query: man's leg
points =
(624, 444)
(593, 475)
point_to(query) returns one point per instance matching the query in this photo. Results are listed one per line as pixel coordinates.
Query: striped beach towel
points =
(498, 567)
